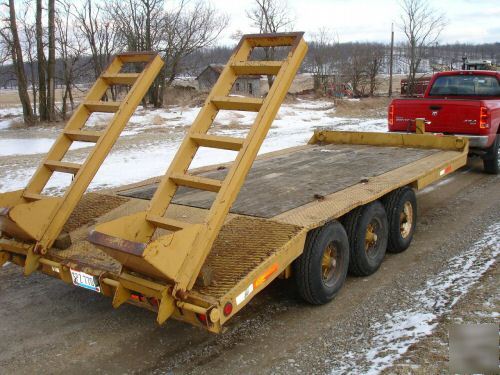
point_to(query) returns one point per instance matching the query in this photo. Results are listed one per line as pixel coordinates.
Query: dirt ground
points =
(50, 327)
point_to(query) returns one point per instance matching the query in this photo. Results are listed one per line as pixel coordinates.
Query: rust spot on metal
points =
(126, 246)
(38, 249)
(182, 294)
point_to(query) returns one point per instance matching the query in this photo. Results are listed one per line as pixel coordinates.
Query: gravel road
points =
(382, 323)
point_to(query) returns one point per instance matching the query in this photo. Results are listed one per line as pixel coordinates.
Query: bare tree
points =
(322, 58)
(188, 30)
(96, 25)
(11, 38)
(42, 63)
(144, 25)
(422, 27)
(51, 63)
(271, 16)
(71, 46)
(375, 55)
(29, 50)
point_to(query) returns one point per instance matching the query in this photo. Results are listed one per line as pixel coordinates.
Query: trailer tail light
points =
(483, 118)
(202, 318)
(391, 115)
(228, 309)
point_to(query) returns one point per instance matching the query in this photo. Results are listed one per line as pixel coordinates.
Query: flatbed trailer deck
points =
(286, 194)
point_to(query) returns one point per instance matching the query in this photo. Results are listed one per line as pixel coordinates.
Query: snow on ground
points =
(24, 146)
(293, 126)
(405, 327)
(11, 112)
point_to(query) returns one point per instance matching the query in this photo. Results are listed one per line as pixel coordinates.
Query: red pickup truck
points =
(458, 102)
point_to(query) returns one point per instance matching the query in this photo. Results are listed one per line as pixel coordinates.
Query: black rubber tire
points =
(308, 266)
(356, 224)
(491, 161)
(394, 206)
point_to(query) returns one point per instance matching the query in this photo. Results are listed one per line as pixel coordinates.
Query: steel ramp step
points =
(104, 107)
(166, 223)
(62, 166)
(134, 57)
(257, 67)
(274, 40)
(196, 182)
(34, 196)
(235, 103)
(120, 78)
(220, 142)
(83, 136)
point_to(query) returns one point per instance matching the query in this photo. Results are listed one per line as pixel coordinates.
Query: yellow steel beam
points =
(427, 140)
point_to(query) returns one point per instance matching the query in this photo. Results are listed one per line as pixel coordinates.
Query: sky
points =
(468, 21)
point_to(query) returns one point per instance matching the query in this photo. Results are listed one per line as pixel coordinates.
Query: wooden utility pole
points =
(391, 60)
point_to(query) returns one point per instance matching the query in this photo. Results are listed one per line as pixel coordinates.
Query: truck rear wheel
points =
(491, 161)
(401, 208)
(322, 268)
(367, 229)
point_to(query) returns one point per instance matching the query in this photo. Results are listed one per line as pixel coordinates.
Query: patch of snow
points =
(405, 327)
(11, 112)
(293, 126)
(30, 146)
(5, 124)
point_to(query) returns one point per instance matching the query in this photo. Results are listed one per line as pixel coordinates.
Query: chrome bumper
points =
(477, 141)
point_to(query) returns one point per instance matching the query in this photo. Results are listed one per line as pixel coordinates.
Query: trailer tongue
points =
(199, 246)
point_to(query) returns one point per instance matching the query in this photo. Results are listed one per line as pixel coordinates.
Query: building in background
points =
(244, 85)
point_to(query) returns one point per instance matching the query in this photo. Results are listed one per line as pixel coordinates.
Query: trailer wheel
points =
(367, 229)
(322, 268)
(401, 208)
(491, 162)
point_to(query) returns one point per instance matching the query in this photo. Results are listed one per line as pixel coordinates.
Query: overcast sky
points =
(470, 21)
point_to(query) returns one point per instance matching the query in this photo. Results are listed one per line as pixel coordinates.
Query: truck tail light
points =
(391, 115)
(483, 118)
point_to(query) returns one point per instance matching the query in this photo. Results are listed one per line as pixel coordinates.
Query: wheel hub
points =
(329, 263)
(406, 220)
(371, 237)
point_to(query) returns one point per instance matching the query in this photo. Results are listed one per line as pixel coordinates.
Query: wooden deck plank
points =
(285, 182)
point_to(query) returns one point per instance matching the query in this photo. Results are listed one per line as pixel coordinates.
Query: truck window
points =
(465, 85)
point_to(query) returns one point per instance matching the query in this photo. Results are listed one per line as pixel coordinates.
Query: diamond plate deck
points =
(242, 245)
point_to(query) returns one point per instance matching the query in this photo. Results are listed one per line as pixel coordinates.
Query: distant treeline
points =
(446, 55)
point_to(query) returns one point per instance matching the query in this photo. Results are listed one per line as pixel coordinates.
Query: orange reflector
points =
(447, 170)
(263, 278)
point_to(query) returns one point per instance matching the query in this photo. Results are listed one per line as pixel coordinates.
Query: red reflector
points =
(202, 318)
(228, 309)
(135, 297)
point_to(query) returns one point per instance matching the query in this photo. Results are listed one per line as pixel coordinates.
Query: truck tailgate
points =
(443, 115)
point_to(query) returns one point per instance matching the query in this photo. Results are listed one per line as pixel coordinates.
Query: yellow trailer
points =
(198, 245)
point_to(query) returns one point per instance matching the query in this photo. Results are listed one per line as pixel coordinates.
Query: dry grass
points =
(366, 107)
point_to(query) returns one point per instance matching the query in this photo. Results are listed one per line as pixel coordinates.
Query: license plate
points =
(85, 280)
